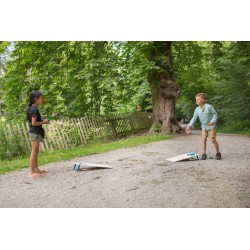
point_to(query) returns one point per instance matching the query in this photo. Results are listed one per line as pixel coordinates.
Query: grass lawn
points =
(89, 149)
(231, 131)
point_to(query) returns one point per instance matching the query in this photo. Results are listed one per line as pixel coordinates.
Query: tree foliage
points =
(231, 80)
(94, 78)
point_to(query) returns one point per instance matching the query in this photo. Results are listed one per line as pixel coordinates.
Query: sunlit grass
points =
(89, 149)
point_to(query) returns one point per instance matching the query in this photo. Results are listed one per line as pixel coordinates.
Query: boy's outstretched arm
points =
(192, 122)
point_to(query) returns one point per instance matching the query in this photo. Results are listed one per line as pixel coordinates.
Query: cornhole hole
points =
(184, 157)
(77, 165)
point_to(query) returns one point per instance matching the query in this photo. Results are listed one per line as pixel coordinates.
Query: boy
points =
(208, 118)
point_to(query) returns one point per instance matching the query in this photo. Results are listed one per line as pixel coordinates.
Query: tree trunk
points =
(164, 88)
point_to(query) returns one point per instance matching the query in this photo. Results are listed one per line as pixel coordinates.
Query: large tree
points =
(150, 66)
(165, 89)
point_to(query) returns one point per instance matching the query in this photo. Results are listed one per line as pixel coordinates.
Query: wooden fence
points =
(66, 133)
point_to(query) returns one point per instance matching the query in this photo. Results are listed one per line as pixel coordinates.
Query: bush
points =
(236, 127)
(11, 146)
(156, 128)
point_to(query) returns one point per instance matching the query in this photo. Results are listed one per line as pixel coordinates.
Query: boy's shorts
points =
(35, 137)
(209, 133)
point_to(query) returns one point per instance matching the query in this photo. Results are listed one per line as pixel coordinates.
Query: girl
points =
(36, 131)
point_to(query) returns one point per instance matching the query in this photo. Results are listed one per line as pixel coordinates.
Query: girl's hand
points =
(46, 121)
(210, 123)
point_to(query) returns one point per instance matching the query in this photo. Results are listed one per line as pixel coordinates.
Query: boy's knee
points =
(204, 138)
(213, 139)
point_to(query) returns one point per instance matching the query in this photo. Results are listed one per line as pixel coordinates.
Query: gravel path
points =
(141, 177)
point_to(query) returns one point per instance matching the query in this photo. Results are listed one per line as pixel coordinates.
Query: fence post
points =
(112, 125)
(60, 134)
(81, 130)
(26, 136)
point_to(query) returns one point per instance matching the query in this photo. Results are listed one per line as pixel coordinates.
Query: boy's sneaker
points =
(218, 156)
(204, 157)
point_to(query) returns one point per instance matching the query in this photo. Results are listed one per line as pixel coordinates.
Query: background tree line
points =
(96, 78)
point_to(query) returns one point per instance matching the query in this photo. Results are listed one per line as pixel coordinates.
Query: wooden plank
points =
(93, 128)
(131, 123)
(100, 126)
(122, 124)
(48, 139)
(79, 124)
(68, 129)
(98, 135)
(78, 166)
(45, 144)
(105, 128)
(58, 134)
(145, 120)
(107, 132)
(84, 130)
(71, 126)
(65, 124)
(86, 124)
(61, 134)
(84, 133)
(45, 141)
(87, 127)
(68, 125)
(41, 146)
(18, 130)
(25, 132)
(81, 130)
(112, 126)
(78, 130)
(55, 139)
(90, 124)
(9, 130)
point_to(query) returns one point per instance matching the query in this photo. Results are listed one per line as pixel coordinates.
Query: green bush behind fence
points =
(66, 133)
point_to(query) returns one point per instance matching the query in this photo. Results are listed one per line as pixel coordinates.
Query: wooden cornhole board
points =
(188, 156)
(84, 165)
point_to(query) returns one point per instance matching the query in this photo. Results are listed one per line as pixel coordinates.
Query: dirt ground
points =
(141, 177)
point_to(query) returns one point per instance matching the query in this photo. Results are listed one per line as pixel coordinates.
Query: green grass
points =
(230, 131)
(236, 127)
(89, 149)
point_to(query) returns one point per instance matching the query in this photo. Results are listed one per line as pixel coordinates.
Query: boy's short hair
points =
(201, 94)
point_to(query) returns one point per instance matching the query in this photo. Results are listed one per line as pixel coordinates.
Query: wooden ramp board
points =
(94, 165)
(188, 156)
(84, 165)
